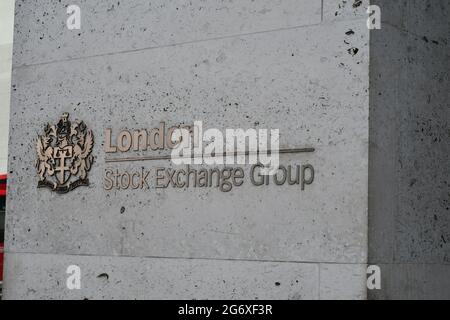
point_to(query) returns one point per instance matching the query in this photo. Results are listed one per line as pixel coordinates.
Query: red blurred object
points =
(2, 194)
(2, 185)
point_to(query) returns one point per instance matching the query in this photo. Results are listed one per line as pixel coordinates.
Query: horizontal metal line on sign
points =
(224, 154)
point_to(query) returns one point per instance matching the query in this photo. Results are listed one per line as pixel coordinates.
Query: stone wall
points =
(298, 65)
(409, 175)
(6, 40)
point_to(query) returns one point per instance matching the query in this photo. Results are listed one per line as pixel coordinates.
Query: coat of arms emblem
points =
(64, 155)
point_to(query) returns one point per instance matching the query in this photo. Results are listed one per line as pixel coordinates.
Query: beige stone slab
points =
(317, 95)
(41, 34)
(36, 276)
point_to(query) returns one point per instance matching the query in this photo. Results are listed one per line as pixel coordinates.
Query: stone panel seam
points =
(321, 11)
(187, 258)
(23, 66)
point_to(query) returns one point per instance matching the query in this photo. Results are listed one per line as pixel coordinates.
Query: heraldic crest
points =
(64, 155)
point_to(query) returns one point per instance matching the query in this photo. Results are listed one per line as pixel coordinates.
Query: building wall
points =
(6, 39)
(409, 218)
(298, 65)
